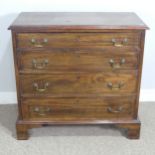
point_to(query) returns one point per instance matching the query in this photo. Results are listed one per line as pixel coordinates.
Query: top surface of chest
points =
(77, 20)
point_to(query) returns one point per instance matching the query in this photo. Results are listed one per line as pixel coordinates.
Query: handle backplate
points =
(40, 90)
(115, 110)
(115, 65)
(42, 111)
(117, 86)
(40, 65)
(37, 43)
(119, 44)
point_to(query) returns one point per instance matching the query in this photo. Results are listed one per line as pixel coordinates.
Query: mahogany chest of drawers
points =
(78, 68)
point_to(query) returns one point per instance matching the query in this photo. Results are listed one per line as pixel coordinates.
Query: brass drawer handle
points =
(42, 111)
(116, 65)
(118, 110)
(40, 65)
(119, 44)
(39, 44)
(40, 90)
(116, 86)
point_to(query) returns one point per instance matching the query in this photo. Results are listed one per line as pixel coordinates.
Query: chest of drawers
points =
(78, 68)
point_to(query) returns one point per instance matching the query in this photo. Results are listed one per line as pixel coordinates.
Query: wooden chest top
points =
(78, 20)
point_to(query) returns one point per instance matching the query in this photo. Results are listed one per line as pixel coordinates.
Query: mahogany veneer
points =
(78, 68)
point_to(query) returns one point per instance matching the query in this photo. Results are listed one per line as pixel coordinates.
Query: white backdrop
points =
(9, 9)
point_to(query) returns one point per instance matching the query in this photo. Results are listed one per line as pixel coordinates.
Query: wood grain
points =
(73, 84)
(71, 60)
(44, 21)
(78, 108)
(78, 68)
(67, 40)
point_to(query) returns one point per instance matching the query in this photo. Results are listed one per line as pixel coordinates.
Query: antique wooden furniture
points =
(78, 68)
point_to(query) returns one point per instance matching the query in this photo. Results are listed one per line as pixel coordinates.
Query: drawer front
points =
(47, 40)
(82, 60)
(75, 84)
(78, 108)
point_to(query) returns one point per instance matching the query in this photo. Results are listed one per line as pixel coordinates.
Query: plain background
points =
(9, 9)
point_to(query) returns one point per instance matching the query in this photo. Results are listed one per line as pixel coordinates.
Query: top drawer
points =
(55, 40)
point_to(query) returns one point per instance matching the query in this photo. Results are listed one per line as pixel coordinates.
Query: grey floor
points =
(79, 140)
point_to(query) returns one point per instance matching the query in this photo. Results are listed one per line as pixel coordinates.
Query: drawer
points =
(52, 40)
(78, 84)
(78, 108)
(77, 60)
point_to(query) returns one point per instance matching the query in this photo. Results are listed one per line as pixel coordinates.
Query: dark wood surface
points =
(70, 84)
(79, 20)
(73, 109)
(68, 40)
(79, 60)
(69, 71)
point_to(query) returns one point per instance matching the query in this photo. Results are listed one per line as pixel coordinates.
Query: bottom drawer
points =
(59, 109)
